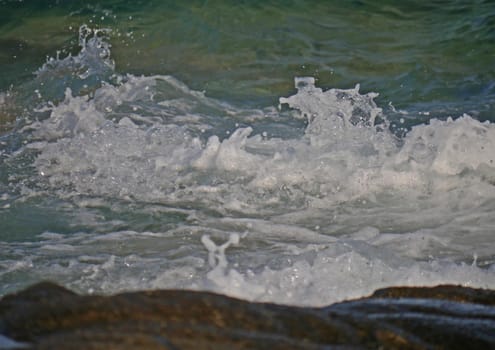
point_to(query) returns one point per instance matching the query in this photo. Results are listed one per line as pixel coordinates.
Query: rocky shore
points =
(47, 316)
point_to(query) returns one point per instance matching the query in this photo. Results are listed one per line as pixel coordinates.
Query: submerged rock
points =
(47, 316)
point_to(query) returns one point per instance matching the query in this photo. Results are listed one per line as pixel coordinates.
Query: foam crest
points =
(335, 108)
(450, 147)
(94, 146)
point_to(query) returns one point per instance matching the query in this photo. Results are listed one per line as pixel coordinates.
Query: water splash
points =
(216, 254)
(92, 146)
(341, 205)
(332, 109)
(81, 73)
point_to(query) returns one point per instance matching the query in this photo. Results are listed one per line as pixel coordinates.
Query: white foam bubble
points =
(450, 147)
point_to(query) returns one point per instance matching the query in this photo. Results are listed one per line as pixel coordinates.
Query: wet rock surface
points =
(47, 316)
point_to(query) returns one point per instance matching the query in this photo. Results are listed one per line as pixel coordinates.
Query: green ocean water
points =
(133, 131)
(438, 53)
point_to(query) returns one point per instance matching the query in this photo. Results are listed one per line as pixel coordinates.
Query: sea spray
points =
(130, 176)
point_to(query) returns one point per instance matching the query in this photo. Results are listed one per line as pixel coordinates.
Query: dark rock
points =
(445, 292)
(46, 316)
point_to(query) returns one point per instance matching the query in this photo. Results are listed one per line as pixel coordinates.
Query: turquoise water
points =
(300, 152)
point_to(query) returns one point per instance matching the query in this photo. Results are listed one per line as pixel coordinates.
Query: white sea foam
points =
(331, 211)
(402, 210)
(97, 149)
(297, 272)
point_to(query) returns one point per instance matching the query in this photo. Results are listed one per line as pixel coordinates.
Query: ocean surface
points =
(299, 152)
